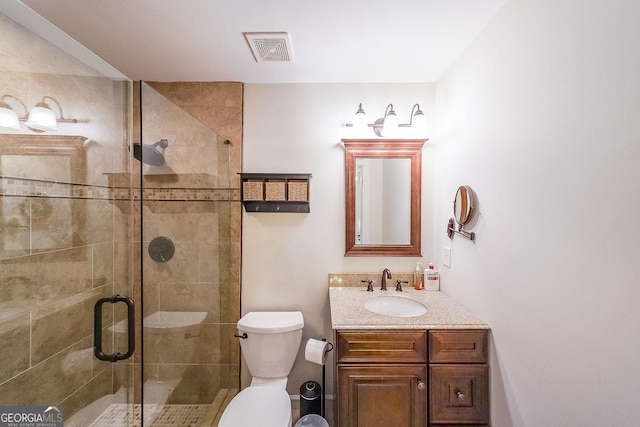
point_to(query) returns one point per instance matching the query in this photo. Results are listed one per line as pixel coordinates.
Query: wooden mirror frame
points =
(388, 148)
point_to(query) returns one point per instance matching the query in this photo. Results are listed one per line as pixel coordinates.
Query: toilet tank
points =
(272, 343)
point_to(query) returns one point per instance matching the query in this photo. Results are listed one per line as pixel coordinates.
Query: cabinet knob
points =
(421, 385)
(460, 395)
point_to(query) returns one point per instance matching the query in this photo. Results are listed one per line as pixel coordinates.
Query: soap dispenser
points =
(431, 278)
(418, 278)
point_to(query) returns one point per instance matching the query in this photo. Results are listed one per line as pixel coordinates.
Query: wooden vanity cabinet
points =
(411, 378)
(381, 379)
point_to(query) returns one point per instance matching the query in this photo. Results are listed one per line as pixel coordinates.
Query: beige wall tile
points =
(97, 392)
(99, 228)
(102, 264)
(59, 274)
(188, 345)
(230, 375)
(180, 268)
(15, 222)
(14, 336)
(200, 384)
(229, 344)
(51, 381)
(211, 262)
(223, 94)
(52, 224)
(191, 297)
(180, 93)
(56, 327)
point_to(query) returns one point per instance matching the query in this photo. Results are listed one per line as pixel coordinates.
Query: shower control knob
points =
(161, 249)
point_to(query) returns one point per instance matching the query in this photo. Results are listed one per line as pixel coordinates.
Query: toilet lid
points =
(258, 406)
(271, 322)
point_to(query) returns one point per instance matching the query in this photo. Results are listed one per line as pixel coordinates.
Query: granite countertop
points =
(348, 311)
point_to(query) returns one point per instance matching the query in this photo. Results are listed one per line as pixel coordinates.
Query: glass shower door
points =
(65, 233)
(189, 253)
(131, 199)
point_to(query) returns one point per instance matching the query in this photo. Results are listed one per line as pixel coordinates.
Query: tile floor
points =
(123, 415)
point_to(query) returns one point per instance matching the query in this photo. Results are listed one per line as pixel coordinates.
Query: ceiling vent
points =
(270, 47)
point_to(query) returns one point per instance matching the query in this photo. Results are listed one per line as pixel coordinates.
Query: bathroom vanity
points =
(425, 370)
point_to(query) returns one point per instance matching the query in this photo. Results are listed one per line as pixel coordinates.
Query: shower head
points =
(149, 154)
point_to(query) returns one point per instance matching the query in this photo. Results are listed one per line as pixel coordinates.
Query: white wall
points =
(286, 257)
(541, 117)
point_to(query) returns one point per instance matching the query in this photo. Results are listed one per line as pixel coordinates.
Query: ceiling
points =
(332, 41)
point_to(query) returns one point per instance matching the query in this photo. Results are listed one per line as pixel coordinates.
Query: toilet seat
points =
(258, 406)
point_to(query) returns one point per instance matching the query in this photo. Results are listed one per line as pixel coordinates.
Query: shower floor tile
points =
(122, 415)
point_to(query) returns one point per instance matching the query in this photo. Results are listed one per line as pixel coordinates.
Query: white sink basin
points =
(395, 306)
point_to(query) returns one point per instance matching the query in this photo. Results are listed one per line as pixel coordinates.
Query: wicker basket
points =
(252, 190)
(274, 190)
(298, 191)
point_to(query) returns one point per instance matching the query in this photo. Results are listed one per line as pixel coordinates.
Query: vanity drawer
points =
(459, 394)
(381, 347)
(458, 346)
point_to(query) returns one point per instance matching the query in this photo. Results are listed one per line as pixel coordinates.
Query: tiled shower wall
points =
(64, 230)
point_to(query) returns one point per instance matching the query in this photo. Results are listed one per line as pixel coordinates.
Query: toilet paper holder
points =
(311, 354)
(316, 351)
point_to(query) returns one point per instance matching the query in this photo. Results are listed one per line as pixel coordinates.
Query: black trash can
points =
(310, 398)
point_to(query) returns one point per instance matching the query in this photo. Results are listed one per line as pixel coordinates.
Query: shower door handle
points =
(97, 329)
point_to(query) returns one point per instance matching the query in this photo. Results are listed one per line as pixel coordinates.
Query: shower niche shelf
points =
(275, 192)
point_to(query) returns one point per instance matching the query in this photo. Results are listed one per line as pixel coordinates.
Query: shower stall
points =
(119, 236)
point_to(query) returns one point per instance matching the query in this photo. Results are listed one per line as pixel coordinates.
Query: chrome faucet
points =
(386, 274)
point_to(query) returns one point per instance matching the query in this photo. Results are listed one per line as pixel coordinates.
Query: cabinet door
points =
(382, 396)
(458, 394)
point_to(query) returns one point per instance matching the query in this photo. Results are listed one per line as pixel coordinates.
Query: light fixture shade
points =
(419, 123)
(41, 117)
(390, 125)
(8, 118)
(360, 119)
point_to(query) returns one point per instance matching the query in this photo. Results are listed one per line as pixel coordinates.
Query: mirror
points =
(383, 201)
(463, 205)
(382, 189)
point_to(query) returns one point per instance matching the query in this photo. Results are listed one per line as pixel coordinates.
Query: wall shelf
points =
(275, 192)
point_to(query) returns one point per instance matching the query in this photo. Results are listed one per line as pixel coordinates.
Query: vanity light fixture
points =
(387, 125)
(42, 117)
(9, 119)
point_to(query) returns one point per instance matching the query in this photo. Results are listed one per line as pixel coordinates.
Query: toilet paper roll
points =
(316, 351)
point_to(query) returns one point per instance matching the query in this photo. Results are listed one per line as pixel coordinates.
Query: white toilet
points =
(269, 349)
